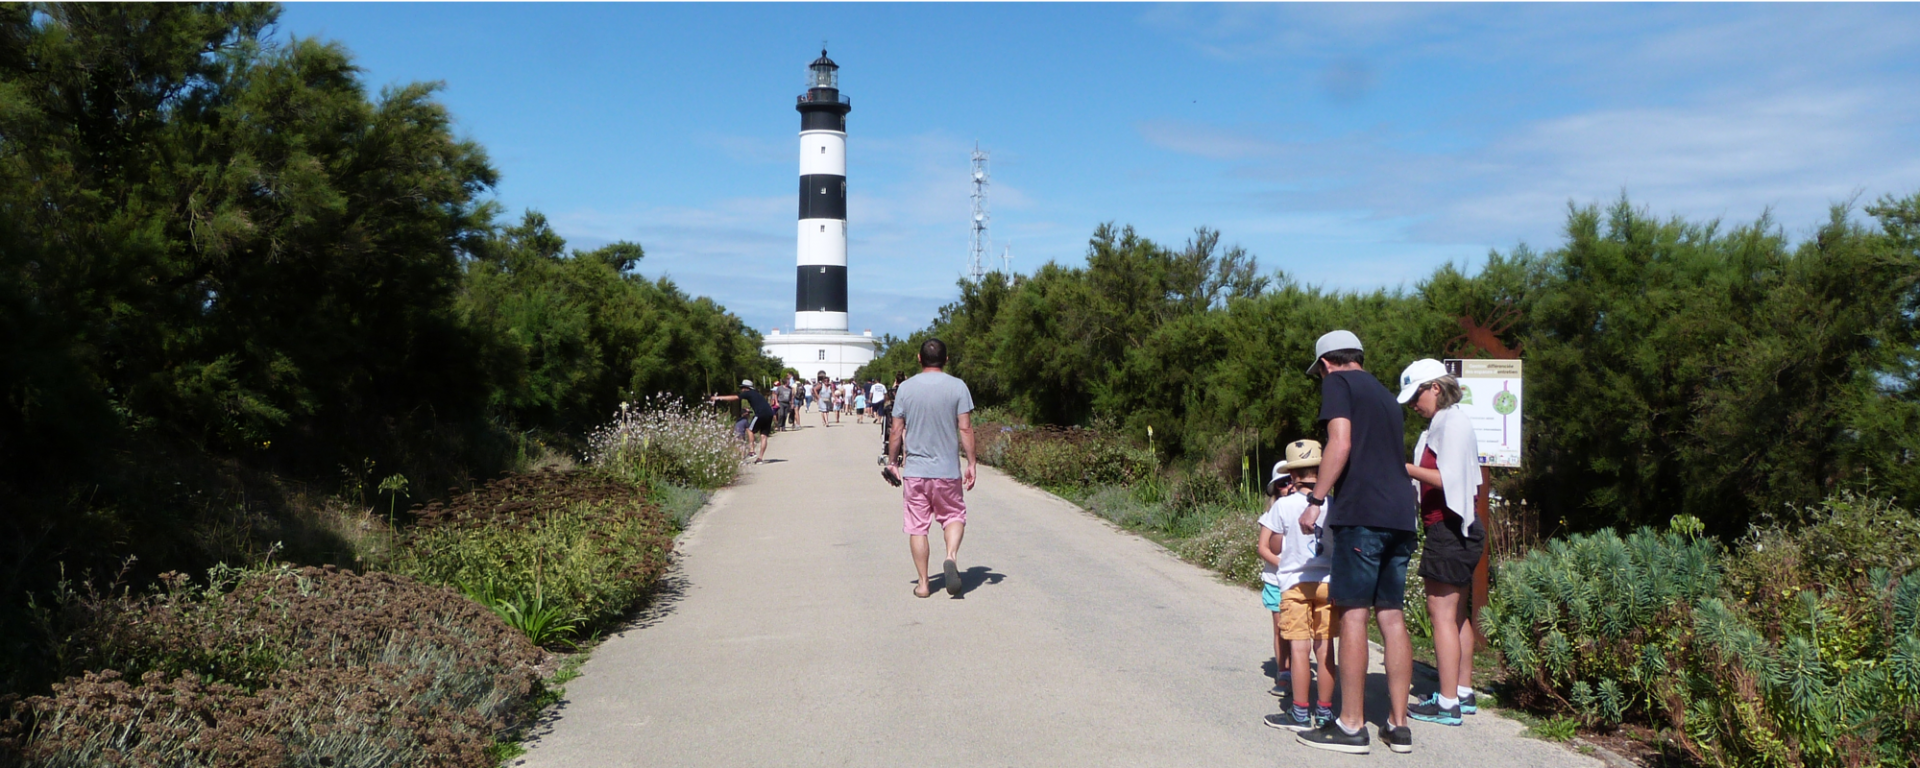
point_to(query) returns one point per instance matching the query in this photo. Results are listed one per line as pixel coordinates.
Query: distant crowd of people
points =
(778, 410)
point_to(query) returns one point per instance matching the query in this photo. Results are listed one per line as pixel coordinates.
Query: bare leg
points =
(918, 545)
(1353, 666)
(1302, 676)
(1469, 636)
(764, 439)
(1329, 670)
(1283, 652)
(1443, 603)
(1399, 647)
(955, 532)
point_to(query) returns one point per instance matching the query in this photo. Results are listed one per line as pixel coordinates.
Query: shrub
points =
(665, 439)
(1228, 544)
(1806, 674)
(1835, 543)
(274, 666)
(1125, 507)
(1070, 458)
(1595, 609)
(678, 503)
(554, 553)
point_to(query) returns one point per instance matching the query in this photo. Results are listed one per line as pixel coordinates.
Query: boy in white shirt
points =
(1296, 572)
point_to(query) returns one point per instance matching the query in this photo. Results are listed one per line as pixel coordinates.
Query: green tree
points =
(573, 334)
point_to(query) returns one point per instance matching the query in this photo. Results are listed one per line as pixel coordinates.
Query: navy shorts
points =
(1370, 566)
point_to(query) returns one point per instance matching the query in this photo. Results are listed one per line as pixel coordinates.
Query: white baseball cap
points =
(1421, 372)
(748, 383)
(1333, 341)
(1279, 473)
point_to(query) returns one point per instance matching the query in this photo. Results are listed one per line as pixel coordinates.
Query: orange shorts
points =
(1305, 613)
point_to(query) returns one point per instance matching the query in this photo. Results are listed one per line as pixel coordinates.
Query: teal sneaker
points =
(1431, 711)
(1468, 705)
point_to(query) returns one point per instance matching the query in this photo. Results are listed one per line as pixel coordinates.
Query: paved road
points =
(795, 641)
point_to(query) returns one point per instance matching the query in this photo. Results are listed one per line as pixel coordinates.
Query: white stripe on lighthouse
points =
(823, 241)
(823, 152)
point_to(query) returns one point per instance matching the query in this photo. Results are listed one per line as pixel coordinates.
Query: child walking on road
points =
(1296, 575)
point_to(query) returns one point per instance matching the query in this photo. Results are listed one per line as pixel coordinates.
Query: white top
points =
(1457, 452)
(1297, 562)
(877, 392)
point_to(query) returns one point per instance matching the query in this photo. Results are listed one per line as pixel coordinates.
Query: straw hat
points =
(1302, 454)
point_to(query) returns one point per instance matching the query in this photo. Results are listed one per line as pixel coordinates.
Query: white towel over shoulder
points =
(1451, 438)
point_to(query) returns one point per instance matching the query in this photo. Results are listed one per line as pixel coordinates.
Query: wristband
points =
(1313, 502)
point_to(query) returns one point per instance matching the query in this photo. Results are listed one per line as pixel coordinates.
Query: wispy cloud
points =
(1703, 113)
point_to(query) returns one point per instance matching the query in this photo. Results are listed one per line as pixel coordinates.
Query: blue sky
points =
(1352, 146)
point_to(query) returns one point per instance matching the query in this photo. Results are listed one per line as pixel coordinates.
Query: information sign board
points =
(1490, 391)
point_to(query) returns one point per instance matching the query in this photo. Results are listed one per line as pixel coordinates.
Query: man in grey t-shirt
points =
(932, 424)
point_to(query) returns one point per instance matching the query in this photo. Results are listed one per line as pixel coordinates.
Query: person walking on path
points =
(876, 395)
(782, 404)
(1372, 538)
(932, 425)
(760, 424)
(823, 397)
(1448, 469)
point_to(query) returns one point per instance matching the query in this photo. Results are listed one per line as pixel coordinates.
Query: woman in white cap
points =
(1446, 471)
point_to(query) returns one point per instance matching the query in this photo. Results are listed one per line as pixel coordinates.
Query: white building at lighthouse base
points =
(839, 353)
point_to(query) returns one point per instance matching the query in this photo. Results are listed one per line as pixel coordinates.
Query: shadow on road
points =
(970, 580)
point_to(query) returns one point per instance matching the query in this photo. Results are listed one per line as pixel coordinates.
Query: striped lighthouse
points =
(820, 291)
(819, 340)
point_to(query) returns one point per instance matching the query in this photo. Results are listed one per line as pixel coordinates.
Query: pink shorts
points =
(933, 498)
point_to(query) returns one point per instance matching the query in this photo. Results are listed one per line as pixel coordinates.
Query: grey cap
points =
(1333, 341)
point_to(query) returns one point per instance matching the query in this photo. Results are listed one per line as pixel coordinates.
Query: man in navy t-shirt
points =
(759, 418)
(1372, 538)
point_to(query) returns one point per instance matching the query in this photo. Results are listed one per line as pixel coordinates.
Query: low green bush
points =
(1071, 458)
(1228, 544)
(1748, 659)
(555, 554)
(678, 503)
(1125, 507)
(275, 666)
(664, 439)
(1598, 610)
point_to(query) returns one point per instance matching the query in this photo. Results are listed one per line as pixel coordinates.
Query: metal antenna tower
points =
(1006, 259)
(977, 254)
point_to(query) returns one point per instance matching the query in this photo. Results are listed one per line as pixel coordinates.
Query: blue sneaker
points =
(1289, 720)
(1467, 705)
(1431, 711)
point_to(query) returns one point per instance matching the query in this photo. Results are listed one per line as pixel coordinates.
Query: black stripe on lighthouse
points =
(823, 196)
(821, 288)
(823, 120)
